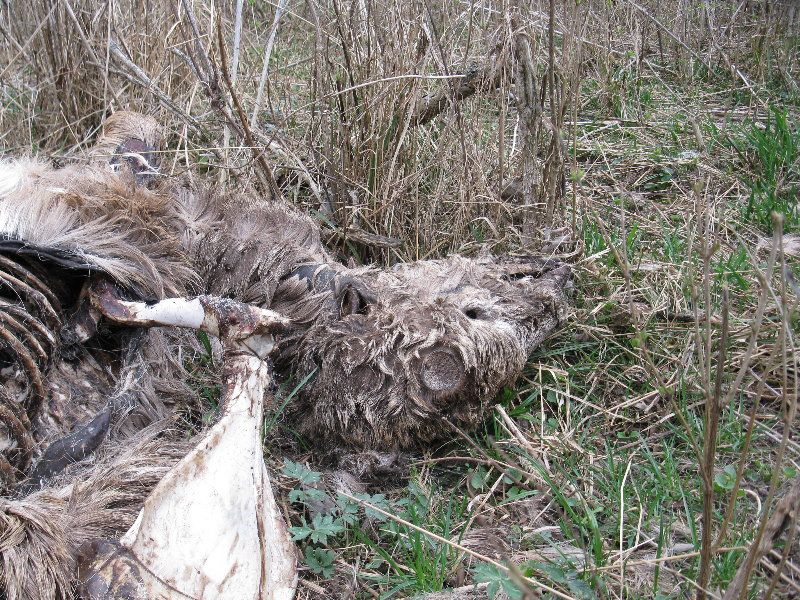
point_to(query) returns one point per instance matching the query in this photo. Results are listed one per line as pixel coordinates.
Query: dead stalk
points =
(237, 43)
(770, 527)
(264, 171)
(530, 111)
(711, 420)
(279, 9)
(764, 280)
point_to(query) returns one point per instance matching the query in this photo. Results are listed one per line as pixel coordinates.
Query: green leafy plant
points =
(328, 521)
(320, 561)
(497, 581)
(321, 528)
(325, 520)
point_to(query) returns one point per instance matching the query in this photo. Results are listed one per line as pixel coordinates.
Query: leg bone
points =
(221, 317)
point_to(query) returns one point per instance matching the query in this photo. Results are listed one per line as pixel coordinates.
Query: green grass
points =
(771, 156)
(403, 560)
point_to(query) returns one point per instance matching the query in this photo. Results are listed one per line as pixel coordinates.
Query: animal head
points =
(403, 355)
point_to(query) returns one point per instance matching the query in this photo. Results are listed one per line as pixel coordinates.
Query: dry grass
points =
(648, 142)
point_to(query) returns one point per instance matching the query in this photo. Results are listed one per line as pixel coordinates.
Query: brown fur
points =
(41, 533)
(471, 320)
(369, 333)
(60, 229)
(401, 355)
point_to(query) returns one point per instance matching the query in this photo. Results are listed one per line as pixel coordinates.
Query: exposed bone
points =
(19, 429)
(221, 317)
(37, 297)
(211, 528)
(19, 271)
(27, 362)
(45, 335)
(22, 331)
(82, 324)
(396, 353)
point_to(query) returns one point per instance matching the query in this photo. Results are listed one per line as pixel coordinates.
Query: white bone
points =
(221, 317)
(211, 528)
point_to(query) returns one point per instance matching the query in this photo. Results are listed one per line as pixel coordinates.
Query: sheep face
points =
(403, 355)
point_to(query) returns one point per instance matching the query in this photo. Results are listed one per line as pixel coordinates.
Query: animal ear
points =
(353, 301)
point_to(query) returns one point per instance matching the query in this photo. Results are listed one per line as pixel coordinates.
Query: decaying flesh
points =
(58, 230)
(399, 356)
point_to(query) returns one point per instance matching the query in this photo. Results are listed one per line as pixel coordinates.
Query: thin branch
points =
(139, 77)
(712, 413)
(669, 33)
(479, 79)
(279, 9)
(264, 173)
(237, 41)
(774, 527)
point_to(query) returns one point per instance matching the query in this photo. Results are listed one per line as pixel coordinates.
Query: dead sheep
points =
(400, 356)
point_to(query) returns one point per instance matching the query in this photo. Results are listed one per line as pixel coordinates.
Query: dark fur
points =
(402, 355)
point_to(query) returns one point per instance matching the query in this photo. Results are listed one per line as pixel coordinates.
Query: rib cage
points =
(30, 317)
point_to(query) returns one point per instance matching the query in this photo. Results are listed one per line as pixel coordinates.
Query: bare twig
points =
(669, 33)
(712, 413)
(279, 8)
(785, 512)
(139, 77)
(88, 46)
(771, 527)
(530, 111)
(264, 172)
(237, 41)
(764, 281)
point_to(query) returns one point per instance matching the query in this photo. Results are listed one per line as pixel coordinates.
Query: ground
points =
(664, 408)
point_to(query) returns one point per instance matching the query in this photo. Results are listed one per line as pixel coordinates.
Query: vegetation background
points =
(649, 450)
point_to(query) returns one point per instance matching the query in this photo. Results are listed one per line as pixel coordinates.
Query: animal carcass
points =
(400, 355)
